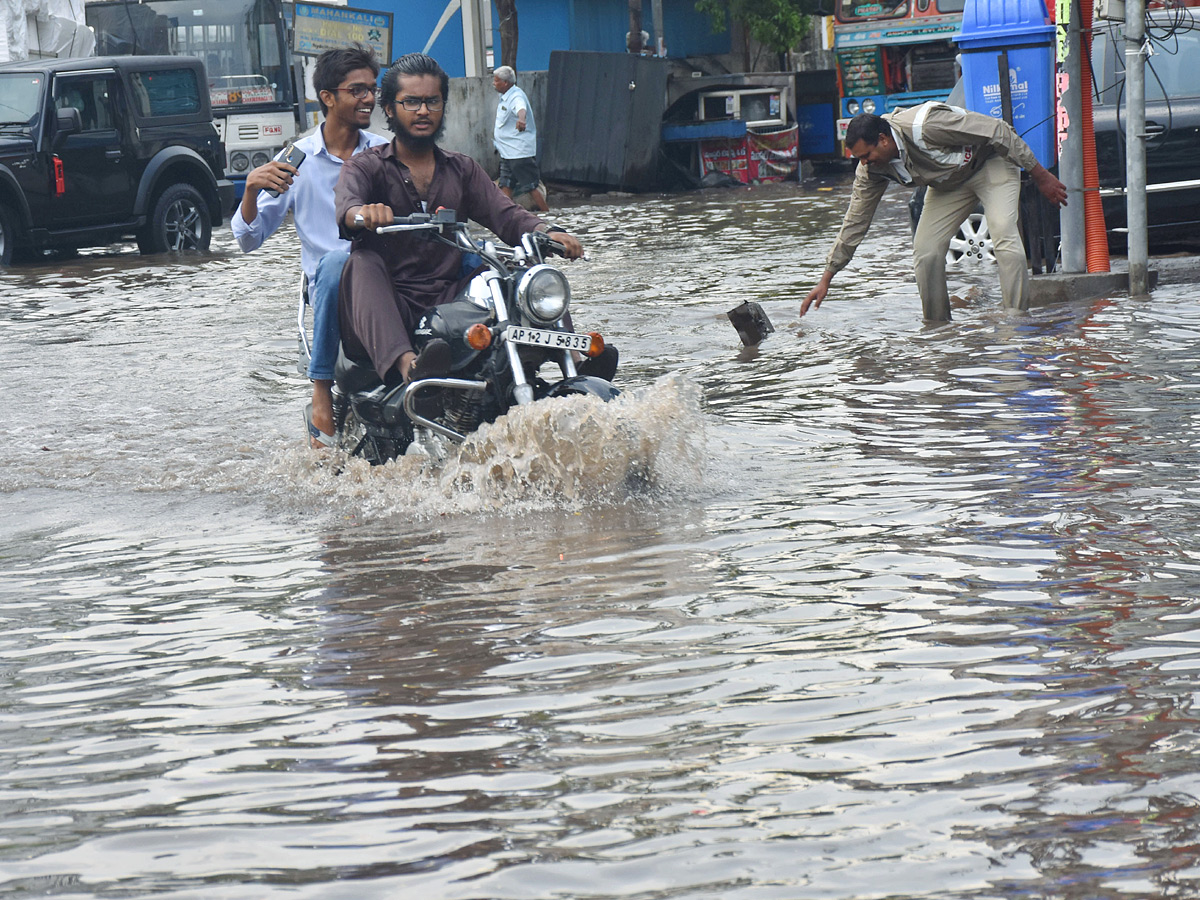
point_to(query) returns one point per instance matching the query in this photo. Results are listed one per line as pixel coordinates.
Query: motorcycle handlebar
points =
(440, 218)
(438, 221)
(407, 226)
(444, 220)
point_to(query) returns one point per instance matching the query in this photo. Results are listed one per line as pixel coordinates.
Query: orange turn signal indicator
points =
(479, 336)
(597, 346)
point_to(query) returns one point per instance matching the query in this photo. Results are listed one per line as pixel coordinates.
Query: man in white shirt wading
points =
(515, 136)
(345, 82)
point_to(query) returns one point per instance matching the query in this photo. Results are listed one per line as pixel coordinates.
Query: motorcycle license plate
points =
(554, 340)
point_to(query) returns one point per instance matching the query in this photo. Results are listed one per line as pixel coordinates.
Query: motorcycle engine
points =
(463, 411)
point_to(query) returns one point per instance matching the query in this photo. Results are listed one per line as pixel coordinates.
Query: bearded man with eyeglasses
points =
(392, 280)
(345, 82)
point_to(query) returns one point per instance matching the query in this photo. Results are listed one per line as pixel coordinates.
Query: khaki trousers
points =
(997, 185)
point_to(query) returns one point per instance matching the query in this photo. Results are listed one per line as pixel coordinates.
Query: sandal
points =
(317, 439)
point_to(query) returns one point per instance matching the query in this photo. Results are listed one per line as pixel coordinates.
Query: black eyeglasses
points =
(412, 104)
(360, 91)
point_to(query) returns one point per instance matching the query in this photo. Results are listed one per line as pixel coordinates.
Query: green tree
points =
(776, 24)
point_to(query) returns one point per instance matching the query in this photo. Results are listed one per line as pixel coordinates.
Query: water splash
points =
(649, 442)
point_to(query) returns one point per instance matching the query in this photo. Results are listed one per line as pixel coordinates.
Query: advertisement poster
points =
(757, 157)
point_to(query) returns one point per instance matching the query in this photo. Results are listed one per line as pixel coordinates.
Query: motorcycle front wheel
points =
(584, 384)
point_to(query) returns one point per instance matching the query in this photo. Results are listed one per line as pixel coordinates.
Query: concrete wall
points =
(471, 115)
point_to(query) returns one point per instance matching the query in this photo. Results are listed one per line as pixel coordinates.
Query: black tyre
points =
(585, 384)
(180, 222)
(8, 234)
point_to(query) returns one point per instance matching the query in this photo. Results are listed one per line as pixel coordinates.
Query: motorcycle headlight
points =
(544, 294)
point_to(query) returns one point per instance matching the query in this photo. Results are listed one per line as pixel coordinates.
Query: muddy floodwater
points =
(878, 610)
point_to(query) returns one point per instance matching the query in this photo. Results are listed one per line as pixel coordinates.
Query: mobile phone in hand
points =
(290, 154)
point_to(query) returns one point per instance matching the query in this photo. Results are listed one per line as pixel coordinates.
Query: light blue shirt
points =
(310, 199)
(513, 144)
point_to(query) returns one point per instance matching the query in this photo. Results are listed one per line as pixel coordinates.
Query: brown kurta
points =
(392, 280)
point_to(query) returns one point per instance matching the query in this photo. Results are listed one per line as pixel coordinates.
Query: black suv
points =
(1172, 125)
(1172, 138)
(102, 149)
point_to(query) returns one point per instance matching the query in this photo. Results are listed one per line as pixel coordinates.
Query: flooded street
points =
(878, 610)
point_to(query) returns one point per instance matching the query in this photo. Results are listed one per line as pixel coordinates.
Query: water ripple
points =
(873, 610)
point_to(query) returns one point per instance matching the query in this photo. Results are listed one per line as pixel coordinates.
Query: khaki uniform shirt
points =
(941, 146)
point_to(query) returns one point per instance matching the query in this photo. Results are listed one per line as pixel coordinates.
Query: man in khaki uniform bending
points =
(965, 158)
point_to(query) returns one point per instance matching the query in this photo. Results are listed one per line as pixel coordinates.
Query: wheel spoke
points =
(972, 242)
(183, 226)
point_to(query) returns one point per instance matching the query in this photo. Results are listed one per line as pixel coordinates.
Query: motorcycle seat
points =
(354, 376)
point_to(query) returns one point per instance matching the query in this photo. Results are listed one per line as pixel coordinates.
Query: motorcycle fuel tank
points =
(450, 322)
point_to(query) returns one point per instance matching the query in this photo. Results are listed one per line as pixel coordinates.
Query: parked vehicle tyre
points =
(972, 244)
(8, 234)
(180, 222)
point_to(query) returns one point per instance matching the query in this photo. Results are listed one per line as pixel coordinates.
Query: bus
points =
(893, 54)
(243, 44)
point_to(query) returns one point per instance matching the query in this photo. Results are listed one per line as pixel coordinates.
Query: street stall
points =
(745, 133)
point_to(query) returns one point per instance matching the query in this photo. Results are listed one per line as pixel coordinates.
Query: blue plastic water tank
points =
(990, 27)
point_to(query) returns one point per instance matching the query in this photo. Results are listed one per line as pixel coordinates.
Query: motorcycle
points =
(510, 320)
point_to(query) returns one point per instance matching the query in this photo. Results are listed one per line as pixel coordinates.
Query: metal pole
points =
(472, 39)
(660, 42)
(1135, 146)
(1070, 151)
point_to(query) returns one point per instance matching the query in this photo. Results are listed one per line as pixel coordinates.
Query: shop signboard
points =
(317, 27)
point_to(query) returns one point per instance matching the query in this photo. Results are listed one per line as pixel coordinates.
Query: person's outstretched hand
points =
(817, 294)
(1052, 189)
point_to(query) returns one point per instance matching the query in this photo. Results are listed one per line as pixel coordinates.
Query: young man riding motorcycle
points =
(391, 280)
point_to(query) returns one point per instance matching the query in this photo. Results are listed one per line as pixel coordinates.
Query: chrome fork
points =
(522, 389)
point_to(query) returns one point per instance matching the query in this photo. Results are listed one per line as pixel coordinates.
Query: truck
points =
(893, 54)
